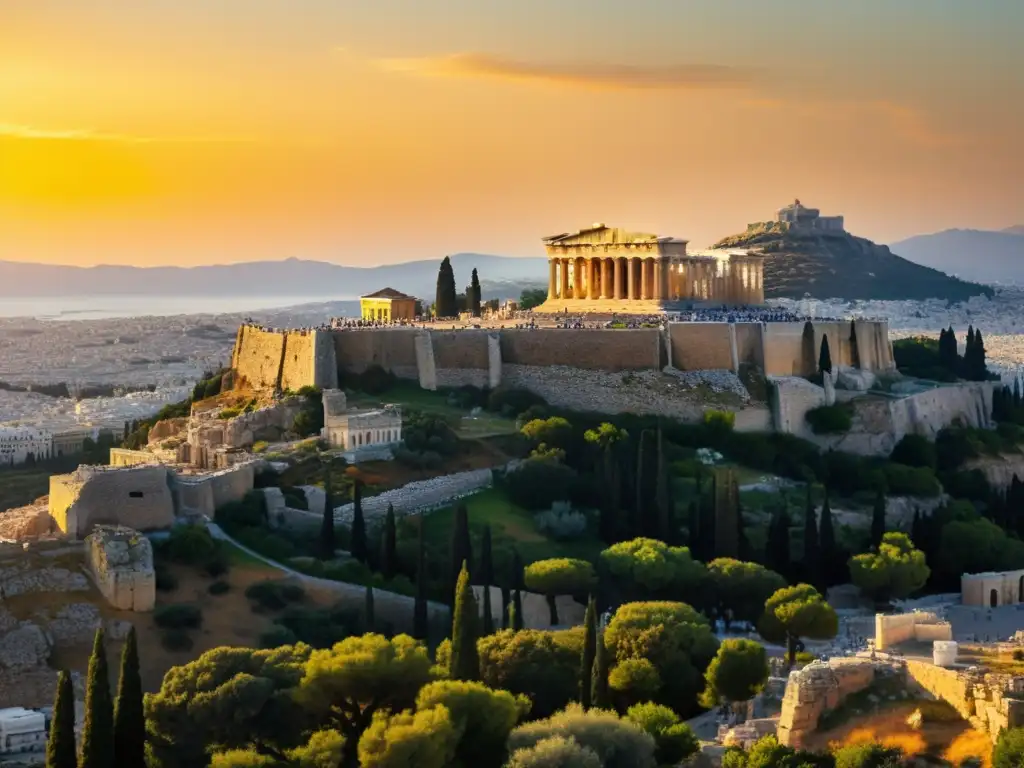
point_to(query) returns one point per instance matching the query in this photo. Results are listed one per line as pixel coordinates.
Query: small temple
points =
(609, 269)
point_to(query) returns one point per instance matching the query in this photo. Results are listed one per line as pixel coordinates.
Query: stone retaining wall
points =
(816, 689)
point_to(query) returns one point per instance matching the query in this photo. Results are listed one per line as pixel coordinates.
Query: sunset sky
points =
(369, 131)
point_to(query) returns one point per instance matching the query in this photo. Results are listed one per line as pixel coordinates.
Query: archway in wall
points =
(993, 598)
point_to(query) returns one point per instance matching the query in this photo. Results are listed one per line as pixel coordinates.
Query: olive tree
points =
(618, 743)
(425, 739)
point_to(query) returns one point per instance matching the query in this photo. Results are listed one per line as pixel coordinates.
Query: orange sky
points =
(204, 131)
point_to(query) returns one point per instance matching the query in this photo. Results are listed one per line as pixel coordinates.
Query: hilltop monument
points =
(609, 269)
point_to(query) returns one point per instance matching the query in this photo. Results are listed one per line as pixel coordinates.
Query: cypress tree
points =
(465, 664)
(824, 356)
(462, 548)
(486, 576)
(979, 369)
(694, 526)
(474, 294)
(370, 620)
(600, 696)
(358, 522)
(778, 543)
(878, 520)
(327, 539)
(854, 349)
(639, 510)
(1016, 392)
(98, 729)
(445, 299)
(663, 494)
(829, 555)
(588, 654)
(60, 745)
(388, 553)
(129, 718)
(511, 617)
(915, 527)
(419, 611)
(516, 617)
(743, 548)
(811, 553)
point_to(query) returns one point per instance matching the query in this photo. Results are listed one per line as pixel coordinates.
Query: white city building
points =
(17, 443)
(21, 731)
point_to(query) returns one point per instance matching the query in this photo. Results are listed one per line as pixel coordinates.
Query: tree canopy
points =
(895, 571)
(618, 743)
(742, 587)
(654, 567)
(797, 612)
(738, 671)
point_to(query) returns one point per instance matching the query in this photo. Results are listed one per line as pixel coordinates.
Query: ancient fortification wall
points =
(701, 346)
(439, 358)
(123, 457)
(202, 494)
(284, 359)
(816, 689)
(137, 497)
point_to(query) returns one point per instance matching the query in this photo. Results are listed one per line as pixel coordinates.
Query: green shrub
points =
(902, 480)
(176, 640)
(190, 544)
(229, 413)
(277, 636)
(536, 484)
(275, 595)
(166, 581)
(260, 446)
(723, 420)
(250, 511)
(512, 402)
(219, 588)
(830, 419)
(178, 616)
(914, 451)
(268, 544)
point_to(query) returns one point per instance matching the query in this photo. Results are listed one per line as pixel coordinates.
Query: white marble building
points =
(361, 434)
(17, 443)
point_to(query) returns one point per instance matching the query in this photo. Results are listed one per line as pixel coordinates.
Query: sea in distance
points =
(64, 308)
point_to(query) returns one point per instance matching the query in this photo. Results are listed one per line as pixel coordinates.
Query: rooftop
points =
(387, 293)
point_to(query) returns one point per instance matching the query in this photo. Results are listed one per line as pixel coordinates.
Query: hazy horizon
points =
(194, 134)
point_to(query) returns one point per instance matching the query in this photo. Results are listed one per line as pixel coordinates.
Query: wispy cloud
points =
(592, 74)
(31, 132)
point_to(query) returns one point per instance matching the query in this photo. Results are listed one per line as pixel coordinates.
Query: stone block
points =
(120, 561)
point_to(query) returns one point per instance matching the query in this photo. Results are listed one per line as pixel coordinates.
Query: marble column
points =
(552, 278)
(645, 276)
(593, 290)
(659, 277)
(631, 279)
(563, 291)
(606, 278)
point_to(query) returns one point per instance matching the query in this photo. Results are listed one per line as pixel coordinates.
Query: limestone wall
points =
(750, 344)
(793, 398)
(701, 346)
(603, 350)
(977, 588)
(137, 497)
(120, 561)
(284, 359)
(393, 349)
(199, 495)
(920, 626)
(123, 457)
(785, 353)
(816, 689)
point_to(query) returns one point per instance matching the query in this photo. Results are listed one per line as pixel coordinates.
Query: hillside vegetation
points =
(839, 265)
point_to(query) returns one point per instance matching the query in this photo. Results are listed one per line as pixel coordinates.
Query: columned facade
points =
(605, 269)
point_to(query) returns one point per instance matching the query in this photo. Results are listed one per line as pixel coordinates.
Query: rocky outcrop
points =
(121, 563)
(829, 265)
(999, 471)
(819, 688)
(28, 522)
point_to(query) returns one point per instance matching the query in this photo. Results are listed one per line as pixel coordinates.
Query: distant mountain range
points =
(838, 265)
(973, 254)
(500, 276)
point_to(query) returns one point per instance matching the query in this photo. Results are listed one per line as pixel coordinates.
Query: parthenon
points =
(608, 269)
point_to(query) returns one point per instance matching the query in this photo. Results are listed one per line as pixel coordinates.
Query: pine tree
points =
(824, 356)
(465, 663)
(358, 522)
(98, 729)
(327, 539)
(60, 746)
(811, 552)
(828, 553)
(516, 616)
(445, 300)
(588, 654)
(878, 520)
(419, 611)
(486, 576)
(600, 696)
(474, 294)
(388, 552)
(129, 718)
(462, 548)
(369, 619)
